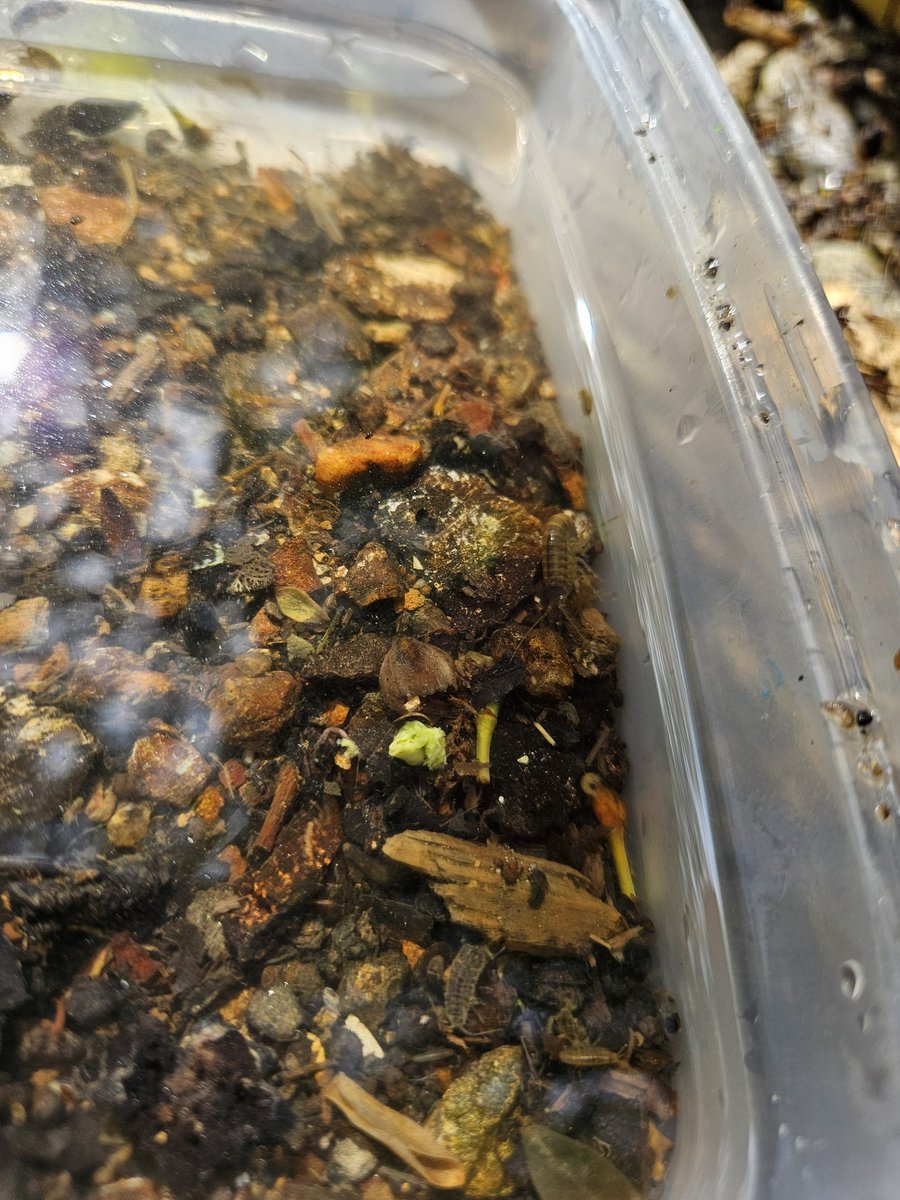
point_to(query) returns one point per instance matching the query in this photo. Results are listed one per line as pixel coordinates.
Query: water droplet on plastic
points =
(853, 979)
(686, 429)
(255, 51)
(892, 524)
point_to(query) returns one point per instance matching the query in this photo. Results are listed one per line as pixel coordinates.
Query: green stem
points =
(485, 724)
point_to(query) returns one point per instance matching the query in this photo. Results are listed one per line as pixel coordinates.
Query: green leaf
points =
(299, 606)
(562, 1167)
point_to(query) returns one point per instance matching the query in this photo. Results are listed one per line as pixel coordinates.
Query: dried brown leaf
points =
(409, 1141)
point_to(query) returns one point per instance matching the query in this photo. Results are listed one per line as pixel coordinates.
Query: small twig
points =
(548, 737)
(287, 786)
(243, 472)
(59, 1017)
(312, 442)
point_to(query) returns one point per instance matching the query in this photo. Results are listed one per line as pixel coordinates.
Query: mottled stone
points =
(274, 1013)
(374, 575)
(368, 986)
(25, 625)
(352, 1161)
(245, 710)
(45, 757)
(128, 825)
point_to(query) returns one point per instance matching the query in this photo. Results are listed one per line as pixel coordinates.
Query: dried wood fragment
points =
(472, 879)
(287, 787)
(291, 875)
(409, 1141)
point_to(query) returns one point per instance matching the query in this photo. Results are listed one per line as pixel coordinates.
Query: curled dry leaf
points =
(409, 1141)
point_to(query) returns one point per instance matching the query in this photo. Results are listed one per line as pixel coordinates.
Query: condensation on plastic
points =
(748, 499)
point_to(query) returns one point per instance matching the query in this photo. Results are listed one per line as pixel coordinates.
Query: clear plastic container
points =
(749, 501)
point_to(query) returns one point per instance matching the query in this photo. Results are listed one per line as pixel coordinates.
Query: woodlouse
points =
(462, 983)
(560, 556)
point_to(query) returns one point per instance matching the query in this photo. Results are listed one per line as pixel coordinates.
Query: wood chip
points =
(468, 876)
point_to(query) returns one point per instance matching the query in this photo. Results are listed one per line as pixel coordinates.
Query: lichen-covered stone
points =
(45, 757)
(472, 1119)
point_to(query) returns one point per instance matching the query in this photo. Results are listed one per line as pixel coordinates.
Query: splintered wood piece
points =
(534, 905)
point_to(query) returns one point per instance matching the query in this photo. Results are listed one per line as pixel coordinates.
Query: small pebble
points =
(351, 1161)
(274, 1013)
(368, 986)
(91, 1002)
(25, 625)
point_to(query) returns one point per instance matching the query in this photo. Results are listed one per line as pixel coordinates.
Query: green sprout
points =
(420, 745)
(485, 724)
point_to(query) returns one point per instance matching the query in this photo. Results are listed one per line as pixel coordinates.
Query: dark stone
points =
(356, 659)
(13, 992)
(436, 340)
(559, 983)
(221, 1106)
(92, 1002)
(96, 118)
(92, 276)
(302, 244)
(231, 328)
(239, 285)
(201, 630)
(405, 1021)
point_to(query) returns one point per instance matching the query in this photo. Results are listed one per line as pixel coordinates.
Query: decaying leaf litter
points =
(314, 874)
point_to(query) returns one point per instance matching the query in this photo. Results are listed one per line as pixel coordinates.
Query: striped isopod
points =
(560, 556)
(462, 983)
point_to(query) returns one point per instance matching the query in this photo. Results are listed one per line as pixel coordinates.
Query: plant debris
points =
(302, 666)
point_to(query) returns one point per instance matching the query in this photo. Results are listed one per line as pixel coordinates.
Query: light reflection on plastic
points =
(13, 348)
(585, 319)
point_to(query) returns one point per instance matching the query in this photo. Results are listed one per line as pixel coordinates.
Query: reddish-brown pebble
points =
(162, 767)
(246, 709)
(293, 566)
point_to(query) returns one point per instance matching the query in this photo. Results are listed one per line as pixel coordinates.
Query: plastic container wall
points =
(750, 509)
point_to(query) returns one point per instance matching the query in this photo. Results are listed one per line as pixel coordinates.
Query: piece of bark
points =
(287, 788)
(292, 874)
(490, 888)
